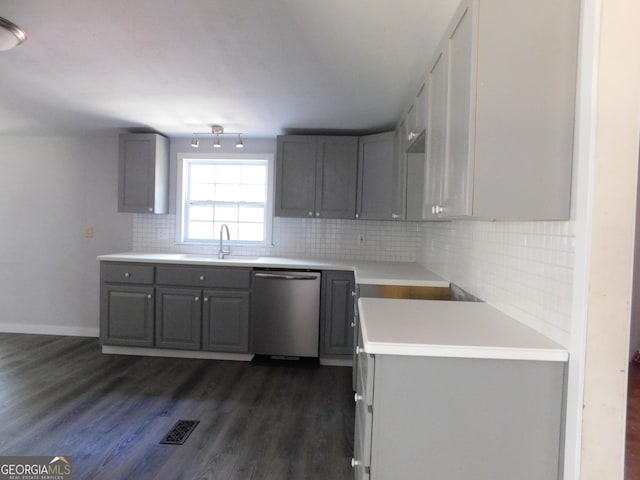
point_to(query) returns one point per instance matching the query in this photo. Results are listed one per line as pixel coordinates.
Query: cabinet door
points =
(178, 318)
(225, 326)
(400, 175)
(376, 181)
(337, 162)
(436, 136)
(337, 313)
(420, 107)
(458, 174)
(126, 315)
(296, 176)
(143, 173)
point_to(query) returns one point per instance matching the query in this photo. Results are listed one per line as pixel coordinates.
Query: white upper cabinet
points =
(436, 137)
(500, 112)
(415, 118)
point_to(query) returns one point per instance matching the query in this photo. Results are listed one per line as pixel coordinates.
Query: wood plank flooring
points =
(62, 396)
(632, 454)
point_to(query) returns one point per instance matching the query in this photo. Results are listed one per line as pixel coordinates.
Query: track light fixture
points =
(11, 35)
(216, 131)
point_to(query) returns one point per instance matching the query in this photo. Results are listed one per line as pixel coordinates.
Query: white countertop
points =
(450, 329)
(366, 272)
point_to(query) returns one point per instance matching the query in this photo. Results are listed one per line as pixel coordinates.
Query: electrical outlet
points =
(88, 232)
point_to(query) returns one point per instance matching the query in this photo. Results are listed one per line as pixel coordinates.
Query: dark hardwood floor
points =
(632, 455)
(62, 396)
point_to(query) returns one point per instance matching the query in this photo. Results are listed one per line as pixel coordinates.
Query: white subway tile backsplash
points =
(524, 269)
(295, 237)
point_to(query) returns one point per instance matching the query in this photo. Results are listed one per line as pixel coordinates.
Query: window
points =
(232, 189)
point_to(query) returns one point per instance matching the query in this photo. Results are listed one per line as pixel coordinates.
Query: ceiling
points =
(262, 67)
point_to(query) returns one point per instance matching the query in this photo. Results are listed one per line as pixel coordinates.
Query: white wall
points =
(51, 189)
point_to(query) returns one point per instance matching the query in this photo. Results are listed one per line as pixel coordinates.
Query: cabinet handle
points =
(353, 324)
(359, 350)
(197, 299)
(201, 277)
(357, 397)
(311, 214)
(355, 463)
(127, 274)
(394, 216)
(439, 209)
(353, 293)
(151, 209)
(149, 296)
(317, 214)
(357, 215)
(206, 299)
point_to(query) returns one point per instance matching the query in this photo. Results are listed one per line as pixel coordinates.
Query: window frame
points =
(183, 161)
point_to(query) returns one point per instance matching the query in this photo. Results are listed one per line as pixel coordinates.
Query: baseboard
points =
(161, 352)
(336, 362)
(49, 330)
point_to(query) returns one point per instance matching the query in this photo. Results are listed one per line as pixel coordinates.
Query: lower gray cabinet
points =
(178, 318)
(225, 321)
(126, 316)
(126, 304)
(336, 314)
(175, 306)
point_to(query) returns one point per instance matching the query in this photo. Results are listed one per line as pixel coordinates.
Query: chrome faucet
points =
(221, 251)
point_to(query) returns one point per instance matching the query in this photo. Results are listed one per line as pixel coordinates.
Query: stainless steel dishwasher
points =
(285, 313)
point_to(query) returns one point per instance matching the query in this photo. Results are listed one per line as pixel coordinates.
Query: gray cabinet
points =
(126, 305)
(178, 318)
(225, 321)
(143, 179)
(179, 307)
(378, 184)
(501, 101)
(458, 418)
(337, 314)
(316, 176)
(214, 317)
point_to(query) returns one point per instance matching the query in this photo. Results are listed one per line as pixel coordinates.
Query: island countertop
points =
(366, 272)
(450, 329)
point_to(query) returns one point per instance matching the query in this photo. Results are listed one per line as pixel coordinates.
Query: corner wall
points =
(51, 188)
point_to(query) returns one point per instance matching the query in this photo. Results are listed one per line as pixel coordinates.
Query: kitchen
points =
(70, 183)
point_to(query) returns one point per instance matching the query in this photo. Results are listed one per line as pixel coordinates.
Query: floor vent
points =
(180, 432)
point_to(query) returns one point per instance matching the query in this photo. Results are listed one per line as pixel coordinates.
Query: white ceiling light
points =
(10, 35)
(216, 131)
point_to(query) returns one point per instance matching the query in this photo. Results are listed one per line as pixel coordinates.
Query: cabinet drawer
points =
(204, 276)
(127, 273)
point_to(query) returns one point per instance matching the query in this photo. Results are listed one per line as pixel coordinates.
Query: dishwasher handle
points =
(285, 276)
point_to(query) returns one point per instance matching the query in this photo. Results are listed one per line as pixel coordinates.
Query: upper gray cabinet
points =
(378, 170)
(143, 182)
(316, 176)
(500, 112)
